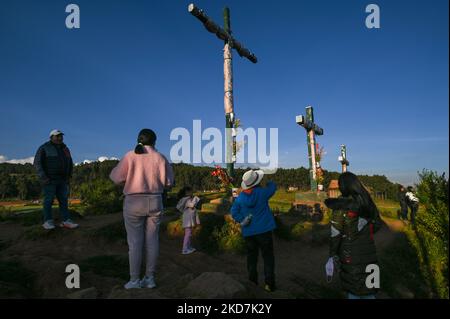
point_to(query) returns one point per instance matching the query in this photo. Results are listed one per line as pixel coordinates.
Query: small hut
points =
(333, 189)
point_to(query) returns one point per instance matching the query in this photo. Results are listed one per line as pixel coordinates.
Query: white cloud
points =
(106, 158)
(4, 159)
(100, 159)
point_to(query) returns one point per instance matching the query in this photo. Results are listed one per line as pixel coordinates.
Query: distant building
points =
(333, 189)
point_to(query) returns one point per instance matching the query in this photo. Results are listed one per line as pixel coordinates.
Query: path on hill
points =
(299, 264)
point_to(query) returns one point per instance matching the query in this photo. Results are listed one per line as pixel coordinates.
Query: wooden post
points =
(229, 44)
(311, 130)
(228, 95)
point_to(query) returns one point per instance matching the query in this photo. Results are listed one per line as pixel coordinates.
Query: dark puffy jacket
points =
(352, 243)
(402, 198)
(53, 162)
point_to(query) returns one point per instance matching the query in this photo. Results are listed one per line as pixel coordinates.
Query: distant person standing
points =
(413, 203)
(403, 204)
(145, 173)
(187, 205)
(54, 166)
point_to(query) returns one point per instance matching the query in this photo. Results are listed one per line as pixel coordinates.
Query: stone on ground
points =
(214, 285)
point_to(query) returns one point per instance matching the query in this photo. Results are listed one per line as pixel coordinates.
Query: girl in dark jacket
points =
(354, 221)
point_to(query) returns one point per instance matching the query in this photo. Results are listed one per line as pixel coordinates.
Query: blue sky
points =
(135, 64)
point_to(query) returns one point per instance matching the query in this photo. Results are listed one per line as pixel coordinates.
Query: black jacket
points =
(352, 243)
(402, 198)
(53, 162)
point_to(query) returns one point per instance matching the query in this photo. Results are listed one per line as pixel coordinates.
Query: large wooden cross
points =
(230, 43)
(311, 130)
(343, 158)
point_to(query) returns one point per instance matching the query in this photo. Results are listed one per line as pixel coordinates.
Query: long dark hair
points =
(350, 186)
(145, 137)
(182, 192)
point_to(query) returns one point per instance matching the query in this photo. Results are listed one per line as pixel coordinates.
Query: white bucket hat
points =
(251, 178)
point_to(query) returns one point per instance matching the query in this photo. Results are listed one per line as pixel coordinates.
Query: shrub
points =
(300, 229)
(101, 197)
(430, 235)
(229, 237)
(175, 229)
(282, 231)
(210, 225)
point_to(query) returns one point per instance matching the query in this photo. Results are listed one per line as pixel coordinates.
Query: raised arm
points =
(270, 189)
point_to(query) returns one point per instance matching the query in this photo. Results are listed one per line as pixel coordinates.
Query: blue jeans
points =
(352, 296)
(60, 189)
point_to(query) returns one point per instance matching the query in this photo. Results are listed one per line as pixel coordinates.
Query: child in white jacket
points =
(187, 205)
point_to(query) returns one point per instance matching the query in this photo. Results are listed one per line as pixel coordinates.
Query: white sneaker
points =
(188, 251)
(132, 284)
(49, 225)
(68, 224)
(148, 282)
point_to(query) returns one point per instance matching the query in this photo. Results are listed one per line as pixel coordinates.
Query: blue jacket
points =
(256, 203)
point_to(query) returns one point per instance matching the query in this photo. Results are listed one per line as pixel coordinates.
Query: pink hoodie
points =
(143, 173)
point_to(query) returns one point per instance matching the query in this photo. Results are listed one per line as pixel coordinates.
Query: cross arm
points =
(308, 125)
(212, 27)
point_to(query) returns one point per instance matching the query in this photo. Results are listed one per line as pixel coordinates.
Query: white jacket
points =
(411, 197)
(186, 205)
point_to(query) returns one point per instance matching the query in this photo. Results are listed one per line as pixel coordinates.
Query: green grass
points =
(301, 229)
(280, 205)
(284, 196)
(399, 266)
(113, 266)
(16, 280)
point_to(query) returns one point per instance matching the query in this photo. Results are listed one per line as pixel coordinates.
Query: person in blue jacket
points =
(251, 210)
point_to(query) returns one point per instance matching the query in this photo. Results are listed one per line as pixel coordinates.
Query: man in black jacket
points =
(54, 166)
(403, 205)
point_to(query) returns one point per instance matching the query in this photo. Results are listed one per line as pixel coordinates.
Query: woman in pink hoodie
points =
(145, 173)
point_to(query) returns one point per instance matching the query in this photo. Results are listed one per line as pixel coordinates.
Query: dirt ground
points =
(299, 264)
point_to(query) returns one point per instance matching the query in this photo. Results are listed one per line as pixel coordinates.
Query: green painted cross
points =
(311, 130)
(230, 43)
(343, 158)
